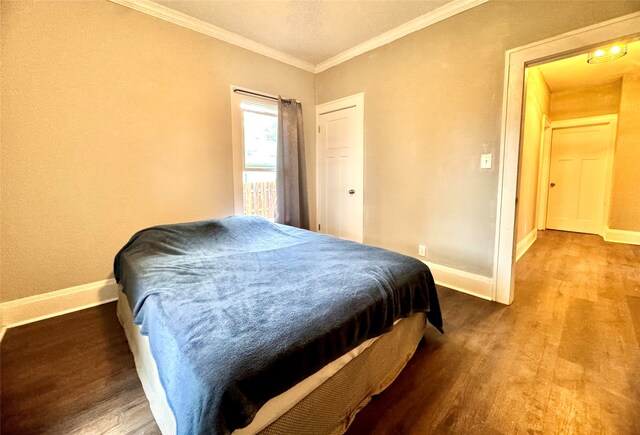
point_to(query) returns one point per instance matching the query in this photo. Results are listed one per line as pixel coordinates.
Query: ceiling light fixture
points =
(607, 54)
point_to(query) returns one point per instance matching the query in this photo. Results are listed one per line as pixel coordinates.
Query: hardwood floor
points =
(72, 374)
(564, 358)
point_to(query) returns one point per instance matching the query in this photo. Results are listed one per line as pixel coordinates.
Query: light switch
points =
(422, 250)
(485, 161)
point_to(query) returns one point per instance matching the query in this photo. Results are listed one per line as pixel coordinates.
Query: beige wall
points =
(537, 100)
(112, 121)
(433, 102)
(625, 195)
(586, 102)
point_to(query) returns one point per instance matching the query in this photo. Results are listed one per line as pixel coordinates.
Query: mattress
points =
(323, 403)
(239, 310)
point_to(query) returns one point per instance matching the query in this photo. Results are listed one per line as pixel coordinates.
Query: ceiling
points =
(310, 30)
(574, 72)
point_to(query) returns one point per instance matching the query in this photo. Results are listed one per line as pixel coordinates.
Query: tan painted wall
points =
(625, 195)
(433, 102)
(112, 121)
(586, 102)
(537, 101)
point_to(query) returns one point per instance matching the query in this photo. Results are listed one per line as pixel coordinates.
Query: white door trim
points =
(580, 122)
(356, 101)
(341, 103)
(543, 174)
(612, 122)
(515, 62)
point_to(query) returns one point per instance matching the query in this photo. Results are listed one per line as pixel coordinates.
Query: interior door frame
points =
(353, 101)
(516, 60)
(543, 174)
(611, 121)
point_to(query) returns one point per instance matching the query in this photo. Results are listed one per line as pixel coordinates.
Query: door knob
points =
(351, 191)
(552, 184)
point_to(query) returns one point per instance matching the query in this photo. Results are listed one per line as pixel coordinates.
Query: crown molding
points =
(426, 20)
(164, 13)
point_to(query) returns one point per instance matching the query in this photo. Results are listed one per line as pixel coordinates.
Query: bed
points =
(245, 326)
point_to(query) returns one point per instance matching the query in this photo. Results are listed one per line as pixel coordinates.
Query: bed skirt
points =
(324, 403)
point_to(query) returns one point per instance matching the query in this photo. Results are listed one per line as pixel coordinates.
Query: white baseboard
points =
(524, 244)
(33, 308)
(622, 236)
(465, 282)
(39, 307)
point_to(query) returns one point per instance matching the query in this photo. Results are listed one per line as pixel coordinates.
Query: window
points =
(260, 130)
(255, 132)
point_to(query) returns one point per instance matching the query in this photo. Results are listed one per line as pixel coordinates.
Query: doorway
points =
(340, 167)
(621, 30)
(579, 183)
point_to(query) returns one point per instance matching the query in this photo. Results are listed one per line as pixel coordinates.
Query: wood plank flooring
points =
(564, 358)
(72, 374)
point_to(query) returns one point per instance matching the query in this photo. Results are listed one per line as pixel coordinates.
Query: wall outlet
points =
(485, 161)
(422, 250)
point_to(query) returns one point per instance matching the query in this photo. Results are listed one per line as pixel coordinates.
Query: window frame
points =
(267, 112)
(237, 140)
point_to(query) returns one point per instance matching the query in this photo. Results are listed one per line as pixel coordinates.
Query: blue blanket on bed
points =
(239, 310)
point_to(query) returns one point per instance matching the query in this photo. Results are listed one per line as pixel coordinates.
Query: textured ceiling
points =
(574, 72)
(311, 30)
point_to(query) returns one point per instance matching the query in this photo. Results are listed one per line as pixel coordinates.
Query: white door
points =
(340, 161)
(577, 178)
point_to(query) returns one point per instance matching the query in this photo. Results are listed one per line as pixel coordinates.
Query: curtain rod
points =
(268, 97)
(242, 91)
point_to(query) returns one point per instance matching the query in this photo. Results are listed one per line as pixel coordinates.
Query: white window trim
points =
(237, 131)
